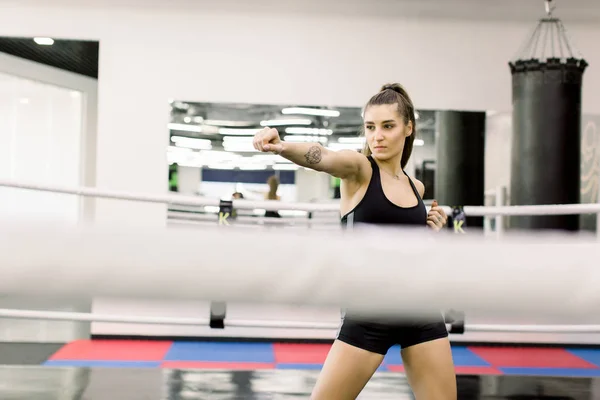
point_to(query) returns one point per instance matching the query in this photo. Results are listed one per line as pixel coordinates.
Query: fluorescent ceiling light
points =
(180, 105)
(219, 122)
(238, 139)
(233, 131)
(185, 128)
(239, 148)
(44, 41)
(310, 111)
(190, 159)
(308, 131)
(210, 130)
(344, 146)
(282, 122)
(179, 149)
(213, 156)
(191, 164)
(285, 167)
(256, 167)
(192, 143)
(269, 158)
(302, 139)
(221, 166)
(358, 139)
(419, 142)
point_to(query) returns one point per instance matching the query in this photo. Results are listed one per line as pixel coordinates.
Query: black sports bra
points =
(376, 208)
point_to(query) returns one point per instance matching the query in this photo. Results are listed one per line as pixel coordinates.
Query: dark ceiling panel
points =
(80, 57)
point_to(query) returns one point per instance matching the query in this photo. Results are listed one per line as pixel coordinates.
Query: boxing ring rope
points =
(234, 323)
(474, 211)
(212, 266)
(334, 276)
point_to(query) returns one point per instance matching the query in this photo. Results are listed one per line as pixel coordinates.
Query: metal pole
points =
(500, 201)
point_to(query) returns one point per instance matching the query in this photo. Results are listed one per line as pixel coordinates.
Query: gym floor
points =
(135, 369)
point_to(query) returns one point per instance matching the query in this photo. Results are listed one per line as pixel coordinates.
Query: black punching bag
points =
(546, 143)
(459, 173)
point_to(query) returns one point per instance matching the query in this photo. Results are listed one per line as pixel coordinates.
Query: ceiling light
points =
(181, 105)
(219, 122)
(241, 147)
(308, 131)
(310, 111)
(221, 166)
(233, 131)
(44, 41)
(344, 146)
(269, 158)
(282, 122)
(255, 167)
(178, 149)
(237, 139)
(24, 100)
(303, 139)
(419, 142)
(192, 143)
(358, 139)
(186, 128)
(214, 156)
(285, 167)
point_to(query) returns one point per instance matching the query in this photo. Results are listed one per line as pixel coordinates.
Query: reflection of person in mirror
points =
(236, 212)
(273, 183)
(375, 190)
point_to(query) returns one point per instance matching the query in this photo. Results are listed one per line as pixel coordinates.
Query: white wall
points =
(188, 180)
(312, 186)
(498, 141)
(47, 130)
(54, 133)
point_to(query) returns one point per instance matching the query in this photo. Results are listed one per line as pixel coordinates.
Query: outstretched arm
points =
(344, 164)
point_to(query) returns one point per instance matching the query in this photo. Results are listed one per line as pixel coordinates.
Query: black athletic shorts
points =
(378, 337)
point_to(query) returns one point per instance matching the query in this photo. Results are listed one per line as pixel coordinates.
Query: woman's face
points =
(385, 131)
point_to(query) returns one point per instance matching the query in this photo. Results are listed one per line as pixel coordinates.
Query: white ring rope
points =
(229, 323)
(370, 270)
(169, 199)
(475, 211)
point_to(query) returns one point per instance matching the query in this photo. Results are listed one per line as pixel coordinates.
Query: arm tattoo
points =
(313, 156)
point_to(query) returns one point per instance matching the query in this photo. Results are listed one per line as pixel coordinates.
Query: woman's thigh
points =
(345, 373)
(430, 370)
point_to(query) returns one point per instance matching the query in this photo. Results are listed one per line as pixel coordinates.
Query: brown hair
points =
(394, 93)
(273, 183)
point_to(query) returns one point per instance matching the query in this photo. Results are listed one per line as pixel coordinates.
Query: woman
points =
(273, 183)
(376, 190)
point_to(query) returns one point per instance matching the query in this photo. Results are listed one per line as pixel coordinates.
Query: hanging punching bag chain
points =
(549, 7)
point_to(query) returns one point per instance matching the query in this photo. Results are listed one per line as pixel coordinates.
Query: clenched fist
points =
(436, 218)
(267, 140)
